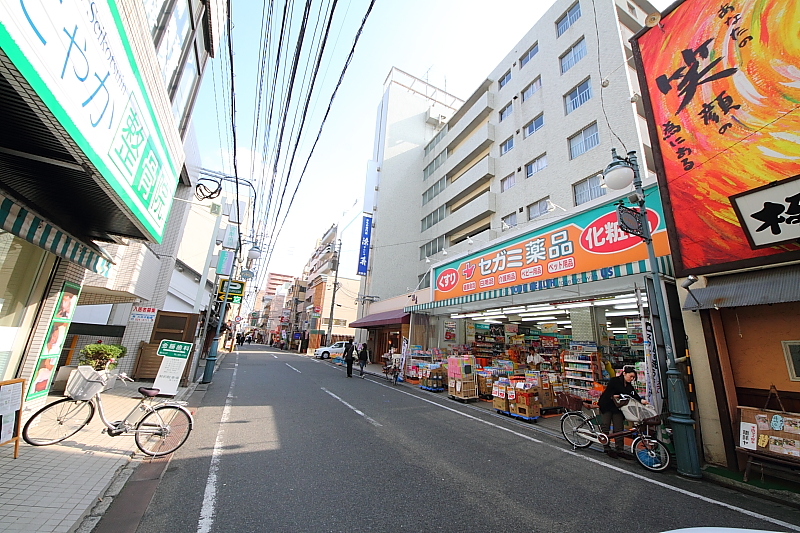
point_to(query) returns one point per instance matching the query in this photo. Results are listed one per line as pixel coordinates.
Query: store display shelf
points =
(579, 388)
(579, 377)
(567, 360)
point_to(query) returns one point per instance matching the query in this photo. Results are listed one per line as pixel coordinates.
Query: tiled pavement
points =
(51, 488)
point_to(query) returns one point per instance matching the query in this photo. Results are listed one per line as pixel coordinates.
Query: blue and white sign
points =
(366, 237)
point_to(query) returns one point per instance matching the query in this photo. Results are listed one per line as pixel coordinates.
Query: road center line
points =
(661, 484)
(208, 509)
(275, 356)
(356, 411)
(293, 368)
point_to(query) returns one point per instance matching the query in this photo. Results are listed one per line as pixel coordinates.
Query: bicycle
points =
(162, 429)
(391, 368)
(581, 430)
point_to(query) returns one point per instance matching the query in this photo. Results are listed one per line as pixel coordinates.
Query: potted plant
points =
(98, 355)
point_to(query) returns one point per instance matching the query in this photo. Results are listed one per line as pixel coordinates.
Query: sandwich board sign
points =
(176, 354)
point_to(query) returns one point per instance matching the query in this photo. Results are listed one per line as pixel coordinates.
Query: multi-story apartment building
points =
(534, 137)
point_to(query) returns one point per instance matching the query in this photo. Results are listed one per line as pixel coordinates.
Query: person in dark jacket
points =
(618, 385)
(363, 357)
(348, 357)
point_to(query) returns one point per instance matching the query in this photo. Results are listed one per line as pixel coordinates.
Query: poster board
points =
(772, 433)
(11, 398)
(174, 354)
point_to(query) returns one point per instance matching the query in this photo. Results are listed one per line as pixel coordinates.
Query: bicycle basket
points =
(84, 382)
(570, 402)
(635, 411)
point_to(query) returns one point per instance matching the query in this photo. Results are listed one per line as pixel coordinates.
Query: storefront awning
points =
(387, 318)
(759, 287)
(24, 224)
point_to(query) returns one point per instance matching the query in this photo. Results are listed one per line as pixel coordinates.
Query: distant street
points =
(287, 443)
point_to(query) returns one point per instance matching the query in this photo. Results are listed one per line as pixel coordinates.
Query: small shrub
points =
(98, 355)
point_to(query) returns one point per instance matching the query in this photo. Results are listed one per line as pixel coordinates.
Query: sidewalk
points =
(51, 488)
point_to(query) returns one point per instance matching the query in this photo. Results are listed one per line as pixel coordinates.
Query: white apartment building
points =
(449, 176)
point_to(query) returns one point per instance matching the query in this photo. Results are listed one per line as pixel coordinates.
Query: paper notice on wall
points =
(7, 423)
(748, 433)
(10, 398)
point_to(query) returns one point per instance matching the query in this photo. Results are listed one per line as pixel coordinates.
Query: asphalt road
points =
(287, 443)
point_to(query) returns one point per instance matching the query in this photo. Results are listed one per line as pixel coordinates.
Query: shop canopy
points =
(760, 287)
(387, 318)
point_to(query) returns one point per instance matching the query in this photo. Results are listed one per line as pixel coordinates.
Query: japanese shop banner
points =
(76, 56)
(364, 245)
(723, 83)
(589, 241)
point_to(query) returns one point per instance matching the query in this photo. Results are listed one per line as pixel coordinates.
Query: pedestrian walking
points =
(239, 339)
(610, 411)
(363, 357)
(248, 339)
(348, 357)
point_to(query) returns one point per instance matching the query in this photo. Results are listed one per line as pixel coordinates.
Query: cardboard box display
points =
(500, 404)
(530, 411)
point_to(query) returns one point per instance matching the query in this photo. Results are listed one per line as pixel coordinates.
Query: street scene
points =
(387, 266)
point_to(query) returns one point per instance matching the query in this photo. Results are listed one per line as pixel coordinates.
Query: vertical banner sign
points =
(721, 79)
(54, 340)
(366, 236)
(175, 354)
(78, 59)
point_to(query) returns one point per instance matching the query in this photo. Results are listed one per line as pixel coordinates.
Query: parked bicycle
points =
(582, 429)
(391, 367)
(161, 429)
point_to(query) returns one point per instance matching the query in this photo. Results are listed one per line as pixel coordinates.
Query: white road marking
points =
(293, 368)
(275, 356)
(208, 509)
(661, 484)
(356, 411)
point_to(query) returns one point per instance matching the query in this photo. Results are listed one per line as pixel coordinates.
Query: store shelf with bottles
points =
(489, 346)
(580, 366)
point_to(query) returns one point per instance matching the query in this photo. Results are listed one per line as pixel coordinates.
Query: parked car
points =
(326, 352)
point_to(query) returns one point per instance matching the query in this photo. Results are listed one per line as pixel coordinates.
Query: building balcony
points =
(468, 214)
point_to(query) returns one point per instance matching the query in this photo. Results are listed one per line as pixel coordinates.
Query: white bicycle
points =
(161, 429)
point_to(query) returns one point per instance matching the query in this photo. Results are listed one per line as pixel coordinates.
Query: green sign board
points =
(232, 299)
(169, 348)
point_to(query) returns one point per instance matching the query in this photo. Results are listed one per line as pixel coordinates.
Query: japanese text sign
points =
(77, 58)
(585, 242)
(364, 245)
(770, 214)
(170, 348)
(721, 79)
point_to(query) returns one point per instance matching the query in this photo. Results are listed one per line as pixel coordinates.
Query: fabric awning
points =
(387, 318)
(758, 287)
(19, 221)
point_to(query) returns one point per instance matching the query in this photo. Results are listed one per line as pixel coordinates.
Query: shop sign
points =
(235, 291)
(78, 59)
(724, 120)
(50, 351)
(449, 330)
(770, 215)
(143, 314)
(175, 355)
(481, 327)
(588, 241)
(366, 236)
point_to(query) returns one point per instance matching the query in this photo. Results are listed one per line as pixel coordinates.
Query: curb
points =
(784, 497)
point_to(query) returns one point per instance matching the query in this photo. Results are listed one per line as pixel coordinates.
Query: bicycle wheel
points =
(57, 421)
(570, 425)
(650, 453)
(163, 430)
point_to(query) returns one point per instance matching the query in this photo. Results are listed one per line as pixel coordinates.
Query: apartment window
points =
(528, 91)
(509, 221)
(528, 55)
(573, 55)
(505, 112)
(578, 96)
(433, 218)
(583, 141)
(537, 209)
(436, 163)
(533, 125)
(588, 189)
(433, 247)
(507, 145)
(435, 140)
(507, 182)
(504, 79)
(569, 18)
(433, 190)
(538, 164)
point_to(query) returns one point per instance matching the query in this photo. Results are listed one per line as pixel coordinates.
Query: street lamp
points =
(619, 174)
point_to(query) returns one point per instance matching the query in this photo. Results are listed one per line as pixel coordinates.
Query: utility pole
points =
(335, 287)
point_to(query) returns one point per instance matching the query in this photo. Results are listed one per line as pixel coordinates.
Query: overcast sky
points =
(454, 44)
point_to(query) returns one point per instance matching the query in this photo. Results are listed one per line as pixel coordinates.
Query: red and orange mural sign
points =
(588, 241)
(723, 79)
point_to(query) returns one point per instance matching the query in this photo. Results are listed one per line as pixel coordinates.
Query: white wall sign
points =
(770, 215)
(78, 59)
(143, 314)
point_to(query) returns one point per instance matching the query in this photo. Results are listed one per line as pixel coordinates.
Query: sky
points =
(453, 44)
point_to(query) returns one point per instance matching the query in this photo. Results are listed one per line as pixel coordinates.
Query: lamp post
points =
(619, 174)
(336, 258)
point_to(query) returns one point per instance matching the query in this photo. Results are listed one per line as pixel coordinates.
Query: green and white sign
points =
(77, 57)
(175, 353)
(169, 348)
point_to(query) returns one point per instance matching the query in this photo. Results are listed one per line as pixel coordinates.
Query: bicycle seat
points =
(148, 393)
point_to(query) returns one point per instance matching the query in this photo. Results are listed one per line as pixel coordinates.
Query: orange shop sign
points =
(588, 241)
